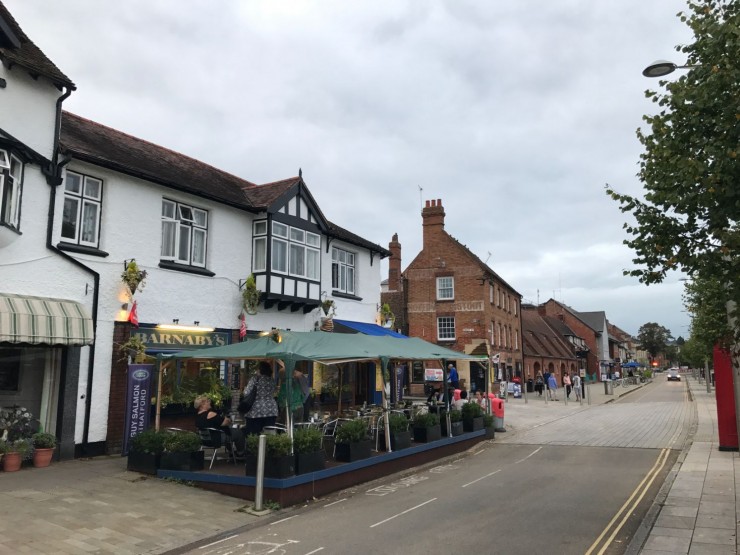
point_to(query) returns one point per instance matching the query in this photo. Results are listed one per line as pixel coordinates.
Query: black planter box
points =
(349, 452)
(457, 428)
(275, 467)
(182, 461)
(490, 432)
(400, 440)
(310, 462)
(425, 435)
(473, 424)
(146, 463)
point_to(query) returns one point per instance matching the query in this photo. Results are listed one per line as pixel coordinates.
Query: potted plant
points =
(279, 462)
(456, 423)
(145, 451)
(329, 307)
(15, 452)
(426, 427)
(133, 277)
(17, 422)
(398, 425)
(351, 441)
(43, 448)
(250, 295)
(182, 452)
(472, 415)
(387, 318)
(488, 426)
(133, 348)
(309, 454)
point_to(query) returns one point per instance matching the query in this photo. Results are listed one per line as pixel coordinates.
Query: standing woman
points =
(567, 384)
(264, 410)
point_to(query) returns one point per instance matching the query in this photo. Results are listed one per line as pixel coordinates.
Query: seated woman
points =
(207, 417)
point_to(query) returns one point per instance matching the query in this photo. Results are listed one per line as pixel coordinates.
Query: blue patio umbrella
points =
(632, 364)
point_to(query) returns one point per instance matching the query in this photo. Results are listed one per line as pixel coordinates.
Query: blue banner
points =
(138, 401)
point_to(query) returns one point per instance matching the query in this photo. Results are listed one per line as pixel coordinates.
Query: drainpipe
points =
(54, 179)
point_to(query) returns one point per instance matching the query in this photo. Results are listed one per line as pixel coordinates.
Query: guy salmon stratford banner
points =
(138, 401)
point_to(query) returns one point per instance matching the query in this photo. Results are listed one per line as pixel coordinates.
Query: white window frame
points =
(11, 189)
(84, 199)
(184, 222)
(446, 292)
(293, 252)
(343, 270)
(444, 327)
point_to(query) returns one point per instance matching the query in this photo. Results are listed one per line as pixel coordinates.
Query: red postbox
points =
(725, 393)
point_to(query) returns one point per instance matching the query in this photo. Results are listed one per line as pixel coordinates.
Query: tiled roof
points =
(262, 196)
(27, 54)
(484, 267)
(595, 320)
(541, 340)
(107, 147)
(344, 235)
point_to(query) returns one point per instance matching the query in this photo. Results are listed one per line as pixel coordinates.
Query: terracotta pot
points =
(12, 462)
(42, 457)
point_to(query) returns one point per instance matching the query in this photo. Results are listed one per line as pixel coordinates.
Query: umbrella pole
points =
(339, 392)
(289, 364)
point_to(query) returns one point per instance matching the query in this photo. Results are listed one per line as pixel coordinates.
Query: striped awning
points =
(40, 320)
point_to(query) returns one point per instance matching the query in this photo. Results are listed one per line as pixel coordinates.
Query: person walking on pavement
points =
(452, 378)
(547, 381)
(552, 385)
(567, 384)
(577, 386)
(539, 384)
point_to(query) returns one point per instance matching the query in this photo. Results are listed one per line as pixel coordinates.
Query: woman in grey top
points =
(264, 411)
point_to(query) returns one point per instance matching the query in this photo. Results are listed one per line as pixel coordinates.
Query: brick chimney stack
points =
(433, 221)
(394, 264)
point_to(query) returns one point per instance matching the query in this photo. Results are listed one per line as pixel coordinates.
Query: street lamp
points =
(660, 68)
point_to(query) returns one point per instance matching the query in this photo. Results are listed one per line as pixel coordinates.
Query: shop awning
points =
(363, 327)
(40, 320)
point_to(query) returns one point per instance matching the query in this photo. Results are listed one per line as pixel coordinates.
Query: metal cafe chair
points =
(215, 439)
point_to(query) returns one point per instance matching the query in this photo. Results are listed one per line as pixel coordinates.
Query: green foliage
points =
(17, 422)
(353, 431)
(276, 445)
(455, 415)
(307, 440)
(149, 441)
(181, 442)
(23, 446)
(653, 338)
(398, 422)
(689, 218)
(426, 420)
(488, 421)
(43, 440)
(250, 295)
(133, 277)
(705, 299)
(471, 410)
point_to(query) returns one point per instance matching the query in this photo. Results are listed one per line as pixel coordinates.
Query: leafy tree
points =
(689, 218)
(694, 353)
(653, 338)
(704, 299)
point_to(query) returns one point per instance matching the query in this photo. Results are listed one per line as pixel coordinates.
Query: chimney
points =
(394, 264)
(433, 221)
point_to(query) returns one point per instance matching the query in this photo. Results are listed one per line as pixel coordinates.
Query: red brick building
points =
(450, 297)
(546, 348)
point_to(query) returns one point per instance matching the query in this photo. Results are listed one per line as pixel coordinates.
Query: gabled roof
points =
(576, 314)
(17, 49)
(541, 340)
(595, 320)
(483, 266)
(262, 196)
(95, 143)
(347, 236)
(559, 326)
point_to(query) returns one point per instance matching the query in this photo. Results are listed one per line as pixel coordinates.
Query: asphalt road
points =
(578, 484)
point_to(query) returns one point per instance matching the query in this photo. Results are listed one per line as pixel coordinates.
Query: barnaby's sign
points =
(170, 340)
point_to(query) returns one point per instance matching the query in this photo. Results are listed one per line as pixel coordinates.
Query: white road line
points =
(315, 551)
(525, 458)
(219, 541)
(482, 478)
(335, 502)
(283, 520)
(402, 513)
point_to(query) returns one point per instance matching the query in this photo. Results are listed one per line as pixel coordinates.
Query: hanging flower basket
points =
(250, 295)
(329, 307)
(133, 277)
(387, 318)
(327, 324)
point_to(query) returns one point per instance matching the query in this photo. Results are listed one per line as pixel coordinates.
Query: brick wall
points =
(554, 309)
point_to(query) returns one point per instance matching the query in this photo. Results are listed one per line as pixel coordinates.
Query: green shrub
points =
(42, 440)
(181, 442)
(488, 421)
(353, 431)
(426, 420)
(398, 423)
(277, 445)
(24, 446)
(307, 440)
(455, 415)
(471, 410)
(149, 441)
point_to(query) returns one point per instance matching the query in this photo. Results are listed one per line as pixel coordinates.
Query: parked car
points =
(673, 374)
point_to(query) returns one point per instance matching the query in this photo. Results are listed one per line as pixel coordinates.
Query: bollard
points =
(587, 393)
(707, 377)
(260, 472)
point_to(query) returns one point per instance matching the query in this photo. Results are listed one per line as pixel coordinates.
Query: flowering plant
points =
(16, 423)
(133, 277)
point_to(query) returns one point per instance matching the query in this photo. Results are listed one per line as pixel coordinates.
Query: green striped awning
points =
(40, 320)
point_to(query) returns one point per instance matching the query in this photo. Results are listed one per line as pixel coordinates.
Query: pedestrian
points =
(567, 384)
(552, 387)
(577, 386)
(539, 384)
(452, 378)
(306, 392)
(264, 410)
(546, 377)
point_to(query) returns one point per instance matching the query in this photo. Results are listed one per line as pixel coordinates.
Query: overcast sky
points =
(515, 114)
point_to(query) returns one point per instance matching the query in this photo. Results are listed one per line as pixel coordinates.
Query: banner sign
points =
(399, 384)
(433, 374)
(138, 401)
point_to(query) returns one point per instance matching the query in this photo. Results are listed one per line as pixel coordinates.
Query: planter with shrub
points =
(145, 451)
(279, 462)
(182, 452)
(456, 423)
(472, 415)
(488, 426)
(44, 445)
(426, 427)
(14, 453)
(351, 442)
(309, 454)
(400, 432)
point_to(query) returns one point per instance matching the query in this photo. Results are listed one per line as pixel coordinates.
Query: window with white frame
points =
(184, 233)
(490, 294)
(516, 340)
(11, 187)
(445, 328)
(295, 251)
(445, 288)
(343, 271)
(82, 208)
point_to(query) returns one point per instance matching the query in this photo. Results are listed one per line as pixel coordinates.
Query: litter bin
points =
(608, 387)
(530, 385)
(498, 415)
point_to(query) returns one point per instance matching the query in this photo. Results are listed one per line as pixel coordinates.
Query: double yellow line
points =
(629, 506)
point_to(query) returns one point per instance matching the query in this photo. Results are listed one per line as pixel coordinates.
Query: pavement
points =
(97, 506)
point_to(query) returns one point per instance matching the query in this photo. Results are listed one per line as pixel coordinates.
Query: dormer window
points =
(11, 186)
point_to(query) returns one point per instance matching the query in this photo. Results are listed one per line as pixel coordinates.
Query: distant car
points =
(673, 374)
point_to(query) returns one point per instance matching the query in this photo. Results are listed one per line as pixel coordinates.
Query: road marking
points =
(441, 469)
(315, 551)
(482, 478)
(390, 488)
(283, 520)
(335, 502)
(402, 513)
(652, 474)
(525, 458)
(219, 541)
